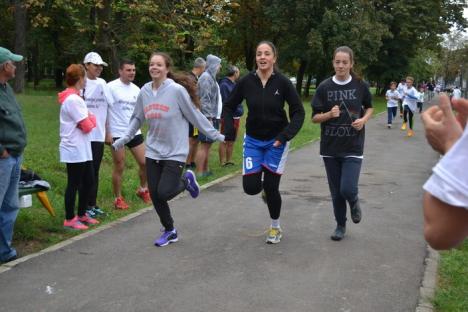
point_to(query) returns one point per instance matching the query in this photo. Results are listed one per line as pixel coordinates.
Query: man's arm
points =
(445, 226)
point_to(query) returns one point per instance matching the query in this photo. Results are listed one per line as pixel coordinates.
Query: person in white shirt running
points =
(392, 97)
(97, 98)
(446, 192)
(125, 94)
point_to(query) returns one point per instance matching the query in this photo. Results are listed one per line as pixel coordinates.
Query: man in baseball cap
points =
(12, 143)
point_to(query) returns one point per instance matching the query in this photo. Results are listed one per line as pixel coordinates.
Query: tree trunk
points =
(300, 76)
(20, 44)
(35, 64)
(104, 39)
(249, 55)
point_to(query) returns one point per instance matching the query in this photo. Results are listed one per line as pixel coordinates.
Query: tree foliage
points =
(389, 37)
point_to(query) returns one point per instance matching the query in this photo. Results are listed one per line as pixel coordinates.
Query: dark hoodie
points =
(226, 86)
(266, 117)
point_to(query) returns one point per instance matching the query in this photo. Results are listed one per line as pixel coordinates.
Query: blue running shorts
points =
(258, 154)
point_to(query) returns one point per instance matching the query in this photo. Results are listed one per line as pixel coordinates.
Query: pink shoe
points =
(87, 220)
(119, 203)
(144, 195)
(74, 224)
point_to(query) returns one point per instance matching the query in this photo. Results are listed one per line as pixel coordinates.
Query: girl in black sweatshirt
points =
(268, 130)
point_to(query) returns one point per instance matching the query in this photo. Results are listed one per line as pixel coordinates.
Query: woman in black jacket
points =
(268, 130)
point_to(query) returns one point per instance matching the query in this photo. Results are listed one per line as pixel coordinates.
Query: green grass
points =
(452, 292)
(35, 229)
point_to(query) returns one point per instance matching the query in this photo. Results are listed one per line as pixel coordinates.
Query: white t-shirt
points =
(125, 96)
(74, 145)
(410, 98)
(449, 180)
(393, 97)
(98, 98)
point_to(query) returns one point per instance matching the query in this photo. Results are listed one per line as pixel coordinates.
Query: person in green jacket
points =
(12, 143)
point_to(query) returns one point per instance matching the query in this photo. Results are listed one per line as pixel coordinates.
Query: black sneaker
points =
(339, 233)
(356, 213)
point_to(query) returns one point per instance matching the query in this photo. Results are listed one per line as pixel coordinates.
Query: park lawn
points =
(452, 289)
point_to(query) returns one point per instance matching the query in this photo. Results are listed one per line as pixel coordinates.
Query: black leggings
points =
(79, 179)
(407, 112)
(98, 150)
(164, 183)
(253, 185)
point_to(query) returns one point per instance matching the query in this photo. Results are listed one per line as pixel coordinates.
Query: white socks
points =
(275, 223)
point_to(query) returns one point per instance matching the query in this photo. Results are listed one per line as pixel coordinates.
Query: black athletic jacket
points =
(266, 118)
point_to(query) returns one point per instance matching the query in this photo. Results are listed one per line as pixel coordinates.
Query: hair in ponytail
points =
(181, 78)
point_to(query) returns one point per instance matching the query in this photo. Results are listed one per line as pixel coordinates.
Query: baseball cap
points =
(6, 55)
(93, 57)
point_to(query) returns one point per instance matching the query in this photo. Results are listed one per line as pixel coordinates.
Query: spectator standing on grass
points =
(124, 94)
(76, 124)
(210, 102)
(198, 68)
(268, 129)
(12, 144)
(98, 99)
(168, 102)
(445, 202)
(342, 105)
(226, 85)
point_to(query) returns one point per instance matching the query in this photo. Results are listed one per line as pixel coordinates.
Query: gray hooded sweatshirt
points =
(208, 87)
(168, 111)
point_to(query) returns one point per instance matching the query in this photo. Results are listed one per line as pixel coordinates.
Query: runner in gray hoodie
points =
(211, 106)
(168, 103)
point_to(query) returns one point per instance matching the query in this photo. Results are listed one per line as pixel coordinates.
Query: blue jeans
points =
(10, 169)
(343, 177)
(391, 112)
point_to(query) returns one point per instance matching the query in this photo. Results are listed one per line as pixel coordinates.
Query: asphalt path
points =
(221, 262)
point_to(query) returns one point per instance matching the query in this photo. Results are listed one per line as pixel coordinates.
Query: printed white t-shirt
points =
(98, 98)
(74, 145)
(449, 180)
(393, 98)
(124, 96)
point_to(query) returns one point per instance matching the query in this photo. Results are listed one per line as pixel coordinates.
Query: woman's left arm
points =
(359, 123)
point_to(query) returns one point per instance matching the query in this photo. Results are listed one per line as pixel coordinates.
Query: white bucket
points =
(25, 201)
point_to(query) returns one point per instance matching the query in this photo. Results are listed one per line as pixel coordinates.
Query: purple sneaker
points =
(192, 184)
(166, 238)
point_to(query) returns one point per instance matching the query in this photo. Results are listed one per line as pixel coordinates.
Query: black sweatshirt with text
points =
(266, 118)
(338, 138)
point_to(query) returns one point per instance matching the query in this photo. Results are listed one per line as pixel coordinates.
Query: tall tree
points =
(20, 44)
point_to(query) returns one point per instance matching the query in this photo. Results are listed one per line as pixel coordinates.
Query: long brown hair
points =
(181, 78)
(349, 51)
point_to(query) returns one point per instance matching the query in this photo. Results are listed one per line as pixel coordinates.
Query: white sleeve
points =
(77, 109)
(449, 180)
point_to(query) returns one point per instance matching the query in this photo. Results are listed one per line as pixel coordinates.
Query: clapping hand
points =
(441, 125)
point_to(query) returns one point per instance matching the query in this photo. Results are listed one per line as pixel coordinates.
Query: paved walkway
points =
(221, 262)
